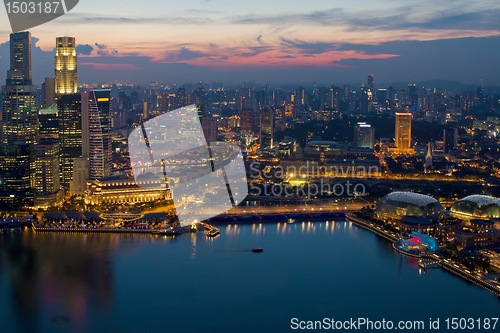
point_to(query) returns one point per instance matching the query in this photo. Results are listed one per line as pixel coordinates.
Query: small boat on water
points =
(257, 250)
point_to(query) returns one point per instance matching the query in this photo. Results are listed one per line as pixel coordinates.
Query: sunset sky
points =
(274, 41)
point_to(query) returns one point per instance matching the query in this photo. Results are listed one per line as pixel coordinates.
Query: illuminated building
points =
(266, 128)
(20, 55)
(46, 173)
(363, 135)
(403, 132)
(81, 174)
(398, 204)
(246, 121)
(121, 189)
(476, 206)
(65, 66)
(69, 108)
(145, 114)
(96, 131)
(370, 83)
(48, 122)
(15, 176)
(19, 109)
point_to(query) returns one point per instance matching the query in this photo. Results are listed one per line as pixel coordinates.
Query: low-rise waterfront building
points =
(122, 189)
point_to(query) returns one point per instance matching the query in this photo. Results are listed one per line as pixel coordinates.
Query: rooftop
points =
(411, 198)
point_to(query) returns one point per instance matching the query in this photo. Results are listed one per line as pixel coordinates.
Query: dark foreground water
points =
(122, 283)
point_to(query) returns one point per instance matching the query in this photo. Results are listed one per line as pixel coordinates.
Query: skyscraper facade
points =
(266, 128)
(403, 132)
(363, 135)
(48, 119)
(69, 108)
(65, 66)
(96, 118)
(450, 139)
(15, 176)
(20, 55)
(209, 126)
(19, 115)
(46, 173)
(246, 120)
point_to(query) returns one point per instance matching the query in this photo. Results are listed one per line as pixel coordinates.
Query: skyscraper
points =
(19, 116)
(65, 66)
(246, 121)
(46, 173)
(69, 108)
(450, 139)
(48, 122)
(266, 128)
(48, 92)
(20, 55)
(370, 83)
(209, 126)
(96, 121)
(363, 135)
(403, 132)
(15, 176)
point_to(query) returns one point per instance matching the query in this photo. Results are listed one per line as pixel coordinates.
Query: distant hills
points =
(454, 86)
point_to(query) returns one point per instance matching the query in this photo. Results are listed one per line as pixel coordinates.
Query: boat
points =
(257, 250)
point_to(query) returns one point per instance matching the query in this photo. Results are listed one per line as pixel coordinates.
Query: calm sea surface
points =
(53, 282)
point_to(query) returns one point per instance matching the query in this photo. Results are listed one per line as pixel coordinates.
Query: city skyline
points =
(276, 42)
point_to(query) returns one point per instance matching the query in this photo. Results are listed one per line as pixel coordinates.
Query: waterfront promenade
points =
(477, 278)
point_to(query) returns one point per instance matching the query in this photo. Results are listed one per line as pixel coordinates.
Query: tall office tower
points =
(370, 91)
(266, 128)
(209, 126)
(370, 82)
(48, 92)
(69, 108)
(403, 132)
(246, 120)
(15, 175)
(46, 173)
(412, 94)
(279, 119)
(65, 66)
(19, 116)
(450, 139)
(333, 98)
(363, 135)
(20, 55)
(382, 98)
(96, 131)
(363, 99)
(48, 123)
(347, 93)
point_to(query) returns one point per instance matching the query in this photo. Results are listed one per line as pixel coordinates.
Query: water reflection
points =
(57, 274)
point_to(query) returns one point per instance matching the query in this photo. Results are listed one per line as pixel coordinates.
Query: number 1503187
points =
(32, 7)
(471, 323)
